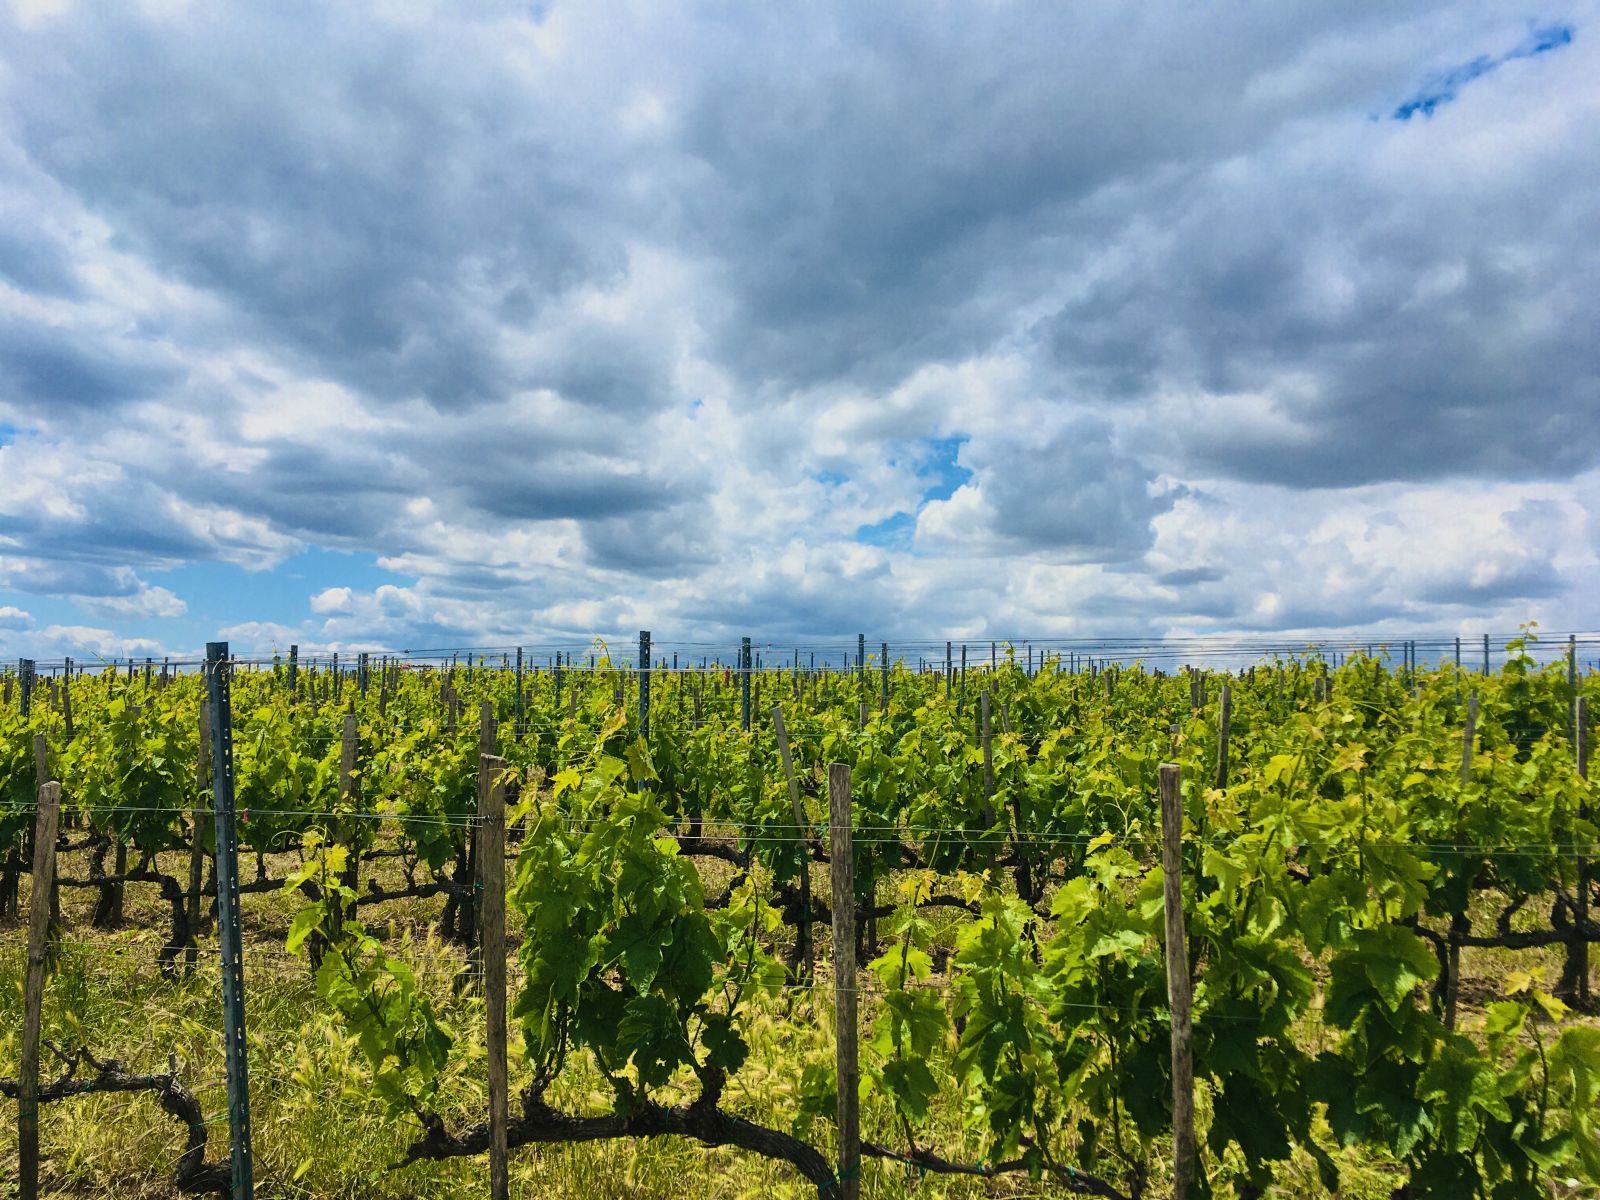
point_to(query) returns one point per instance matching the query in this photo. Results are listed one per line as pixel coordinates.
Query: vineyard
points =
(1026, 926)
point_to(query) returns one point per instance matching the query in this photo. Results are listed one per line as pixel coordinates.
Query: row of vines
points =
(1349, 832)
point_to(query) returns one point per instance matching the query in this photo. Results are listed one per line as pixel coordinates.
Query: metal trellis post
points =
(644, 684)
(744, 682)
(516, 725)
(233, 1028)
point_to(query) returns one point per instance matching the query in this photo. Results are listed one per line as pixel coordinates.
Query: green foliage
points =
(373, 990)
(1319, 885)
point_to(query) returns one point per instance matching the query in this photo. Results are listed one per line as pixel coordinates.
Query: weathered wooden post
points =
(1178, 984)
(842, 855)
(44, 869)
(492, 938)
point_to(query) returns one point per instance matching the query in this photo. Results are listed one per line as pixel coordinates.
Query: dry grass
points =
(320, 1134)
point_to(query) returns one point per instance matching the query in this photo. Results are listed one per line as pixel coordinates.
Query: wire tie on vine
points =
(842, 1176)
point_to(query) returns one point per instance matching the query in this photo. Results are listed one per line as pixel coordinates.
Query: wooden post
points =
(961, 694)
(197, 849)
(467, 913)
(806, 948)
(1178, 985)
(348, 739)
(1224, 728)
(44, 873)
(1572, 686)
(518, 725)
(492, 858)
(66, 702)
(847, 1070)
(1582, 730)
(41, 776)
(1458, 922)
(349, 743)
(41, 760)
(988, 757)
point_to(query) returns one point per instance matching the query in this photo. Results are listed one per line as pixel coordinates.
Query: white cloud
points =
(681, 304)
(87, 643)
(332, 600)
(146, 602)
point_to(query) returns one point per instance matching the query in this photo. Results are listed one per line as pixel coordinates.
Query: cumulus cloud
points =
(147, 601)
(996, 320)
(332, 600)
(1076, 493)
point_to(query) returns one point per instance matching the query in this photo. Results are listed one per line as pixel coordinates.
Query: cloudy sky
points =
(370, 325)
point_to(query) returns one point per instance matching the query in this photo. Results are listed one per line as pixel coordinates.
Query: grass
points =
(321, 1135)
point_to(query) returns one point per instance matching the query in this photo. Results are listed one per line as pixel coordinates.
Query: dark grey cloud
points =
(54, 374)
(892, 206)
(67, 577)
(31, 262)
(661, 544)
(524, 462)
(677, 303)
(121, 520)
(1401, 327)
(360, 194)
(1076, 493)
(342, 492)
(1189, 576)
(573, 489)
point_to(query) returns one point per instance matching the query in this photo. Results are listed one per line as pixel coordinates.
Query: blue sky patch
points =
(940, 468)
(213, 589)
(892, 533)
(1440, 89)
